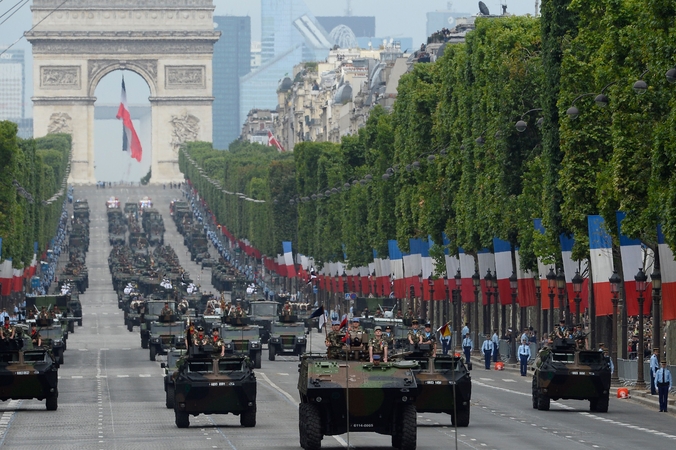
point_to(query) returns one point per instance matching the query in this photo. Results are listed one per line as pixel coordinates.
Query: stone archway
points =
(169, 43)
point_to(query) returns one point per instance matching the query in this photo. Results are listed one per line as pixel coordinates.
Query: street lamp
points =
(430, 284)
(641, 279)
(423, 305)
(445, 314)
(513, 285)
(488, 278)
(656, 279)
(577, 288)
(561, 286)
(457, 309)
(521, 125)
(615, 282)
(551, 285)
(476, 282)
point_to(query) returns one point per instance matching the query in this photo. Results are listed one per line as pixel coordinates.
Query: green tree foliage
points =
(39, 167)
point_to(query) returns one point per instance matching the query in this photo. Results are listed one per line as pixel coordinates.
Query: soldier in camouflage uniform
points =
(415, 333)
(334, 341)
(217, 342)
(378, 345)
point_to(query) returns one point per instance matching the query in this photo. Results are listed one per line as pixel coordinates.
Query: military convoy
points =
(563, 371)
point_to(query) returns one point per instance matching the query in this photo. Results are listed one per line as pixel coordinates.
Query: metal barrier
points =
(627, 370)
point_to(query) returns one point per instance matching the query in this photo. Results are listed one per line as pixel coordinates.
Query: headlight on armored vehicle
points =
(255, 344)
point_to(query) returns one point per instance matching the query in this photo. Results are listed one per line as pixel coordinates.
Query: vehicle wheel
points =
(302, 408)
(462, 418)
(71, 326)
(144, 343)
(543, 403)
(313, 428)
(248, 417)
(271, 352)
(396, 438)
(534, 394)
(153, 353)
(182, 419)
(79, 322)
(130, 327)
(170, 397)
(61, 359)
(52, 403)
(601, 405)
(257, 360)
(409, 436)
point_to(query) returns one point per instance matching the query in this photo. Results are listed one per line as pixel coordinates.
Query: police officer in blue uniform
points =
(487, 350)
(524, 356)
(663, 384)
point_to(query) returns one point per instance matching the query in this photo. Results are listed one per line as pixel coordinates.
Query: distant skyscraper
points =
(290, 34)
(232, 60)
(12, 80)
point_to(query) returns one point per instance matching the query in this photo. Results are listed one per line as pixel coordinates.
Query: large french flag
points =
(130, 139)
(601, 258)
(526, 284)
(288, 259)
(467, 269)
(397, 268)
(668, 272)
(569, 267)
(634, 256)
(503, 268)
(486, 262)
(17, 280)
(412, 269)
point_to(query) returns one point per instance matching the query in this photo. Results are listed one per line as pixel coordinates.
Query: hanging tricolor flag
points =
(273, 142)
(503, 269)
(634, 256)
(288, 259)
(130, 140)
(569, 268)
(601, 258)
(668, 271)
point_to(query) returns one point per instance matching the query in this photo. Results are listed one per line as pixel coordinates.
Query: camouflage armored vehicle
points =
(381, 398)
(263, 313)
(287, 337)
(131, 208)
(27, 373)
(564, 372)
(53, 340)
(445, 386)
(153, 309)
(243, 339)
(204, 384)
(164, 336)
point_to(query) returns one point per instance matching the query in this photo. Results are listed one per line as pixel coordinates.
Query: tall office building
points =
(290, 34)
(12, 82)
(232, 60)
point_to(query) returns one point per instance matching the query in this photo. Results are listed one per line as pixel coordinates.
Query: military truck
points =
(562, 371)
(204, 384)
(287, 337)
(27, 373)
(263, 313)
(243, 339)
(381, 398)
(164, 336)
(445, 385)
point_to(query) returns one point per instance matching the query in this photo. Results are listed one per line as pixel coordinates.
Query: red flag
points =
(129, 136)
(343, 324)
(272, 141)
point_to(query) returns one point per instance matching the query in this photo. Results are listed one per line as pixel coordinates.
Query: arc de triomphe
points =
(167, 42)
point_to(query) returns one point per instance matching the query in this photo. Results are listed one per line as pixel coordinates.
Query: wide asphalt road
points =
(111, 395)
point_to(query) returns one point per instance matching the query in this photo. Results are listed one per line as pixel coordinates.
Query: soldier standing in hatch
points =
(414, 334)
(217, 342)
(428, 337)
(334, 341)
(36, 339)
(200, 339)
(7, 331)
(377, 345)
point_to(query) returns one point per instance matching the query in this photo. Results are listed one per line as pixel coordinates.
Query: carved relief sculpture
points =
(60, 77)
(59, 123)
(185, 128)
(184, 77)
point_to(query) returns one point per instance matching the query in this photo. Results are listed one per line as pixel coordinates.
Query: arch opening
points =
(111, 163)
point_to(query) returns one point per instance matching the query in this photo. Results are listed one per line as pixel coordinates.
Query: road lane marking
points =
(144, 375)
(123, 376)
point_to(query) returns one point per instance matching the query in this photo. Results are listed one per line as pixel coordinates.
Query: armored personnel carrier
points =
(374, 397)
(205, 384)
(562, 371)
(153, 310)
(287, 337)
(27, 373)
(164, 336)
(171, 366)
(241, 338)
(445, 385)
(263, 313)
